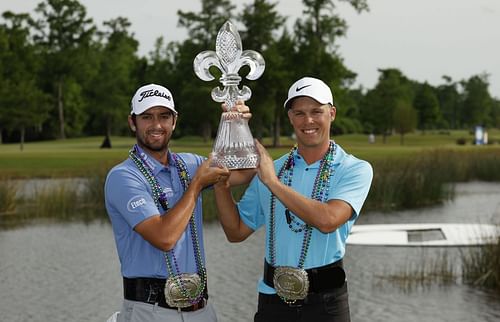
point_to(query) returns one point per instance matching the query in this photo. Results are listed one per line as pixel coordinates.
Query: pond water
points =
(52, 271)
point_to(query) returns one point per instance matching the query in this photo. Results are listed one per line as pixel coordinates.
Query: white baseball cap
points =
(311, 87)
(149, 96)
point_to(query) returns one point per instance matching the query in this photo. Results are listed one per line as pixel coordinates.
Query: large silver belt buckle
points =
(291, 283)
(173, 294)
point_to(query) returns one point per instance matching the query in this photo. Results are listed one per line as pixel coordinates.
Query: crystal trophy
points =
(234, 146)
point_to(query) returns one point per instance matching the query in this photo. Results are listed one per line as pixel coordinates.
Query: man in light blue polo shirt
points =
(308, 200)
(154, 202)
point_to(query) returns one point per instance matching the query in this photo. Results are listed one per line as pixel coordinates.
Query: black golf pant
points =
(330, 306)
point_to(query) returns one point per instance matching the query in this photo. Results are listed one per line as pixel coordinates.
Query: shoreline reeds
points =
(427, 271)
(481, 266)
(8, 193)
(399, 183)
(477, 266)
(429, 178)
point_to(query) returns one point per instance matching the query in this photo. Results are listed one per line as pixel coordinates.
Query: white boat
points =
(436, 234)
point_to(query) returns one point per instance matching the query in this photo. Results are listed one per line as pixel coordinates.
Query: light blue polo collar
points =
(153, 164)
(298, 158)
(300, 161)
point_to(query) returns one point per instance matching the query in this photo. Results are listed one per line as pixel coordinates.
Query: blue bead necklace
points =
(319, 193)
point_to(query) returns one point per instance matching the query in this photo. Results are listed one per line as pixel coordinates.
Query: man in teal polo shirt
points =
(308, 200)
(153, 199)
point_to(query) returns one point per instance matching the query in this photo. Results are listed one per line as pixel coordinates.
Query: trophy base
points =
(234, 146)
(233, 162)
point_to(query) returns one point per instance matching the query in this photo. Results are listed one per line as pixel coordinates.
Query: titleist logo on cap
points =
(150, 92)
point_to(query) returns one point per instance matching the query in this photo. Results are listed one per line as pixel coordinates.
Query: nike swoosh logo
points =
(298, 89)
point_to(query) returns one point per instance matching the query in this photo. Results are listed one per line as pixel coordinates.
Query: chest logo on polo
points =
(135, 202)
(169, 192)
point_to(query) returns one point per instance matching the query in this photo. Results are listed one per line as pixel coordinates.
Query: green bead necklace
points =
(319, 193)
(162, 202)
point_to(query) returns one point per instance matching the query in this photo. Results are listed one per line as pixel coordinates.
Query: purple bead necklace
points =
(319, 193)
(160, 199)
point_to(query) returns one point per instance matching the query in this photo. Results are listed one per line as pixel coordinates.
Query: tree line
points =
(63, 76)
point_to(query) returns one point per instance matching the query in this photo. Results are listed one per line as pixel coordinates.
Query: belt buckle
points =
(291, 283)
(174, 295)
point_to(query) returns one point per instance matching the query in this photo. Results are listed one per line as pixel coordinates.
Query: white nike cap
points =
(311, 87)
(149, 96)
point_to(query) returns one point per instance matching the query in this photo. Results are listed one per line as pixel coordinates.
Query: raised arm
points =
(334, 213)
(234, 228)
(164, 231)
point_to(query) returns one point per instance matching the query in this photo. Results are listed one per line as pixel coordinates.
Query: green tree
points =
(323, 23)
(3, 62)
(281, 70)
(22, 104)
(203, 26)
(405, 119)
(317, 33)
(381, 101)
(495, 113)
(427, 105)
(64, 32)
(450, 102)
(477, 101)
(160, 64)
(348, 120)
(111, 88)
(261, 20)
(198, 113)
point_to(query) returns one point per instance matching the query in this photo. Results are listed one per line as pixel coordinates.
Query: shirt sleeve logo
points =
(135, 202)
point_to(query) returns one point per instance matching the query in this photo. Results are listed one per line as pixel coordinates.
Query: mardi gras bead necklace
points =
(159, 196)
(319, 193)
(161, 201)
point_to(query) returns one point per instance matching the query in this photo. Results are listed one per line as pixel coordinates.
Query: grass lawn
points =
(83, 157)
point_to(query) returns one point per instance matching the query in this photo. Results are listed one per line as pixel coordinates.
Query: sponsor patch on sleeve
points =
(135, 203)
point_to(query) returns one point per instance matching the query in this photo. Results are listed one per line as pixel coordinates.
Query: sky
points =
(425, 39)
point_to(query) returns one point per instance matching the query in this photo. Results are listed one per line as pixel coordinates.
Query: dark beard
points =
(161, 148)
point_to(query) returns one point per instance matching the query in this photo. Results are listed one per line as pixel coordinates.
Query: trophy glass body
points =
(234, 146)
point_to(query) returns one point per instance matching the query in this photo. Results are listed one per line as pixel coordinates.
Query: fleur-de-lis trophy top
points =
(234, 146)
(229, 58)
